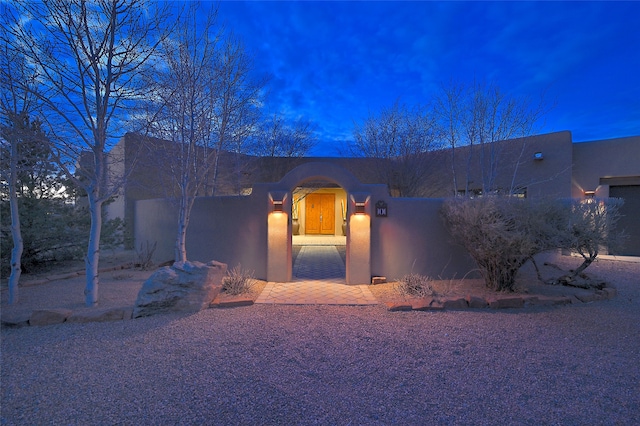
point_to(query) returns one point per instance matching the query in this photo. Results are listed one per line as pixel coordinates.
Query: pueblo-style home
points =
(259, 207)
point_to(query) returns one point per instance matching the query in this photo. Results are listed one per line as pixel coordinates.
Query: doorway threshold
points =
(319, 240)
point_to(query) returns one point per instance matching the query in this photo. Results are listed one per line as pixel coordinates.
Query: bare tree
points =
(16, 105)
(398, 139)
(476, 116)
(89, 58)
(276, 138)
(448, 113)
(208, 104)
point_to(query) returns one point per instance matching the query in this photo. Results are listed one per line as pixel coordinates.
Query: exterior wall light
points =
(538, 156)
(277, 200)
(589, 194)
(360, 201)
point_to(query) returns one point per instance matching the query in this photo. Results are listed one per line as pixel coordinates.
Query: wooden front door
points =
(320, 214)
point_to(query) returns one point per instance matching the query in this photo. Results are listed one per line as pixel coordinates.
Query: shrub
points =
(238, 281)
(52, 231)
(502, 233)
(415, 285)
(144, 256)
(593, 226)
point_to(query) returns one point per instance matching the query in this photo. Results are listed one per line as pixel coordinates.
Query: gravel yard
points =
(341, 365)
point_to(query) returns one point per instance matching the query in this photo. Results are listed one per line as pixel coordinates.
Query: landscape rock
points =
(506, 302)
(398, 306)
(49, 316)
(423, 304)
(231, 302)
(455, 303)
(609, 292)
(427, 304)
(378, 280)
(586, 297)
(476, 302)
(15, 320)
(549, 300)
(182, 287)
(102, 315)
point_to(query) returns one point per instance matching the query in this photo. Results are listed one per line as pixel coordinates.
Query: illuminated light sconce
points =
(538, 156)
(589, 194)
(277, 201)
(360, 201)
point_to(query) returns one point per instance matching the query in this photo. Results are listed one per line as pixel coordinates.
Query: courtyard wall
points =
(233, 230)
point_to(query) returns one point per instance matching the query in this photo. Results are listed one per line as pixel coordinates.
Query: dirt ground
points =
(120, 281)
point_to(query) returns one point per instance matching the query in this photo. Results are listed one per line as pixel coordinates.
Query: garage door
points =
(630, 220)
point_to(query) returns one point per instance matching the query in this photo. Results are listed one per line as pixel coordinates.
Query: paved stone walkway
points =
(319, 263)
(319, 279)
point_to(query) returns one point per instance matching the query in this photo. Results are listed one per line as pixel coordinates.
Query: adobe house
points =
(384, 235)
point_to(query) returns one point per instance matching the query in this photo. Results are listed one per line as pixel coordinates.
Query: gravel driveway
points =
(262, 364)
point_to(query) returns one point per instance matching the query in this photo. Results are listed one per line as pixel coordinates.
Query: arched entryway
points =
(319, 232)
(354, 210)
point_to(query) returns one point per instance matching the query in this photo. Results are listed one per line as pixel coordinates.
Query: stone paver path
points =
(319, 263)
(319, 278)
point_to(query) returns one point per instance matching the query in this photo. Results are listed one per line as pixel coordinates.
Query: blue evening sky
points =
(333, 62)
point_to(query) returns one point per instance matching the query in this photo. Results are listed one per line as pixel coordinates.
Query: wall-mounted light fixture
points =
(360, 201)
(277, 199)
(589, 194)
(538, 156)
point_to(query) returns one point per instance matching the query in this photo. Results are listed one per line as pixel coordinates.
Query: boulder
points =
(182, 287)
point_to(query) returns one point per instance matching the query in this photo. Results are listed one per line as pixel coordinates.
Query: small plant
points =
(238, 281)
(145, 254)
(415, 285)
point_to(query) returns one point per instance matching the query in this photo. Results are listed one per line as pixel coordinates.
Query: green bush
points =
(52, 231)
(238, 281)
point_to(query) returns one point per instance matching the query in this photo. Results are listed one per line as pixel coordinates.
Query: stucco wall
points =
(413, 238)
(233, 230)
(602, 165)
(516, 166)
(230, 229)
(603, 160)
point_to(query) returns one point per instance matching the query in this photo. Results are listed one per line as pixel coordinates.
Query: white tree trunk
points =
(183, 223)
(93, 251)
(16, 235)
